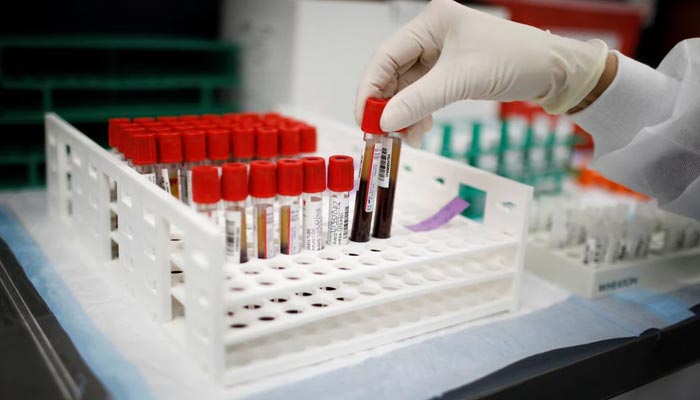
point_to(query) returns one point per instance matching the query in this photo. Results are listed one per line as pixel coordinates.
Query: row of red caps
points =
(192, 138)
(288, 177)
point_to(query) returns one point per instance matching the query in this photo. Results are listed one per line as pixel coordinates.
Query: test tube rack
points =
(245, 322)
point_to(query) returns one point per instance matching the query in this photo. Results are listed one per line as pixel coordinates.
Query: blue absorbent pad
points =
(120, 377)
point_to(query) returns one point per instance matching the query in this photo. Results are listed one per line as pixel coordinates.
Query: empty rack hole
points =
(304, 260)
(278, 300)
(238, 325)
(368, 290)
(320, 270)
(267, 318)
(293, 311)
(329, 255)
(252, 306)
(305, 293)
(328, 288)
(251, 270)
(279, 265)
(319, 304)
(370, 261)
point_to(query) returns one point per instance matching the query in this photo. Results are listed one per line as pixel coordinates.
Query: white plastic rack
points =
(244, 322)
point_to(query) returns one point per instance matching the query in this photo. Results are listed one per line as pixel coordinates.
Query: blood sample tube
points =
(145, 155)
(290, 184)
(243, 143)
(218, 146)
(128, 134)
(206, 191)
(289, 141)
(166, 119)
(369, 169)
(262, 185)
(188, 118)
(141, 120)
(340, 184)
(234, 192)
(169, 158)
(114, 131)
(312, 202)
(194, 154)
(386, 182)
(307, 139)
(213, 118)
(266, 143)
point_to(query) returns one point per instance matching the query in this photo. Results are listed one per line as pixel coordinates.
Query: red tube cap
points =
(211, 117)
(169, 147)
(262, 182)
(141, 120)
(182, 126)
(144, 147)
(166, 118)
(266, 142)
(307, 138)
(218, 144)
(372, 115)
(234, 182)
(195, 145)
(113, 130)
(314, 174)
(188, 118)
(243, 142)
(205, 184)
(341, 174)
(289, 140)
(128, 133)
(159, 129)
(290, 177)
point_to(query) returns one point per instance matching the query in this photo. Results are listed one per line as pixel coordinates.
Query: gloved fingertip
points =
(392, 119)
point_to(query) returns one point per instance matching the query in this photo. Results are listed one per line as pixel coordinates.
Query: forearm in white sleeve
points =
(646, 128)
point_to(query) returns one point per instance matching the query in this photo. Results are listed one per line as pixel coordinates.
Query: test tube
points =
(266, 143)
(307, 139)
(234, 192)
(128, 133)
(289, 141)
(386, 184)
(312, 202)
(218, 146)
(206, 191)
(167, 119)
(189, 118)
(262, 185)
(340, 184)
(369, 168)
(114, 133)
(145, 155)
(243, 143)
(169, 158)
(141, 120)
(194, 154)
(290, 185)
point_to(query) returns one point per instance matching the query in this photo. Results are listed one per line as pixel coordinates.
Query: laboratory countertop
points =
(135, 358)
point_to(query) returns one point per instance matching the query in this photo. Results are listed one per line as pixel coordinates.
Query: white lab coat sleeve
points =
(646, 128)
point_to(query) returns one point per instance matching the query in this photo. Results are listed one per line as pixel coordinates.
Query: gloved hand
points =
(450, 52)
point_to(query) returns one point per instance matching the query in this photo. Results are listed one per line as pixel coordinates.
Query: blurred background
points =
(89, 61)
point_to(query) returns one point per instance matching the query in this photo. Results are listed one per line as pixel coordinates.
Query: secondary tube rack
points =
(244, 322)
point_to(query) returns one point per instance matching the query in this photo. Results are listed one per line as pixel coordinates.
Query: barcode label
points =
(151, 177)
(372, 178)
(294, 240)
(270, 250)
(313, 225)
(189, 186)
(385, 163)
(338, 217)
(165, 180)
(233, 235)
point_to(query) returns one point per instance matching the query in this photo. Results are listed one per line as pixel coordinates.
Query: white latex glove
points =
(450, 52)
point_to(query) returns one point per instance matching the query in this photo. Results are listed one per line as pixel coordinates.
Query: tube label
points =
(151, 176)
(293, 238)
(372, 178)
(269, 233)
(313, 225)
(233, 235)
(189, 186)
(385, 163)
(165, 180)
(338, 218)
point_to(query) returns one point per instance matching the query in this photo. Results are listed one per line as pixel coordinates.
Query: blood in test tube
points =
(289, 141)
(341, 181)
(218, 147)
(369, 169)
(266, 145)
(194, 147)
(243, 143)
(312, 202)
(206, 191)
(169, 159)
(145, 155)
(114, 127)
(386, 191)
(290, 184)
(262, 185)
(127, 136)
(307, 139)
(234, 192)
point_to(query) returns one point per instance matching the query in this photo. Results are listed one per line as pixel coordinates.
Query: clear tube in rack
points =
(340, 184)
(145, 155)
(206, 192)
(243, 143)
(234, 192)
(289, 188)
(169, 159)
(262, 185)
(218, 147)
(194, 147)
(312, 202)
(369, 169)
(114, 133)
(266, 143)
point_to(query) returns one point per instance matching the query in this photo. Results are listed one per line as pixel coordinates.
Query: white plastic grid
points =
(279, 300)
